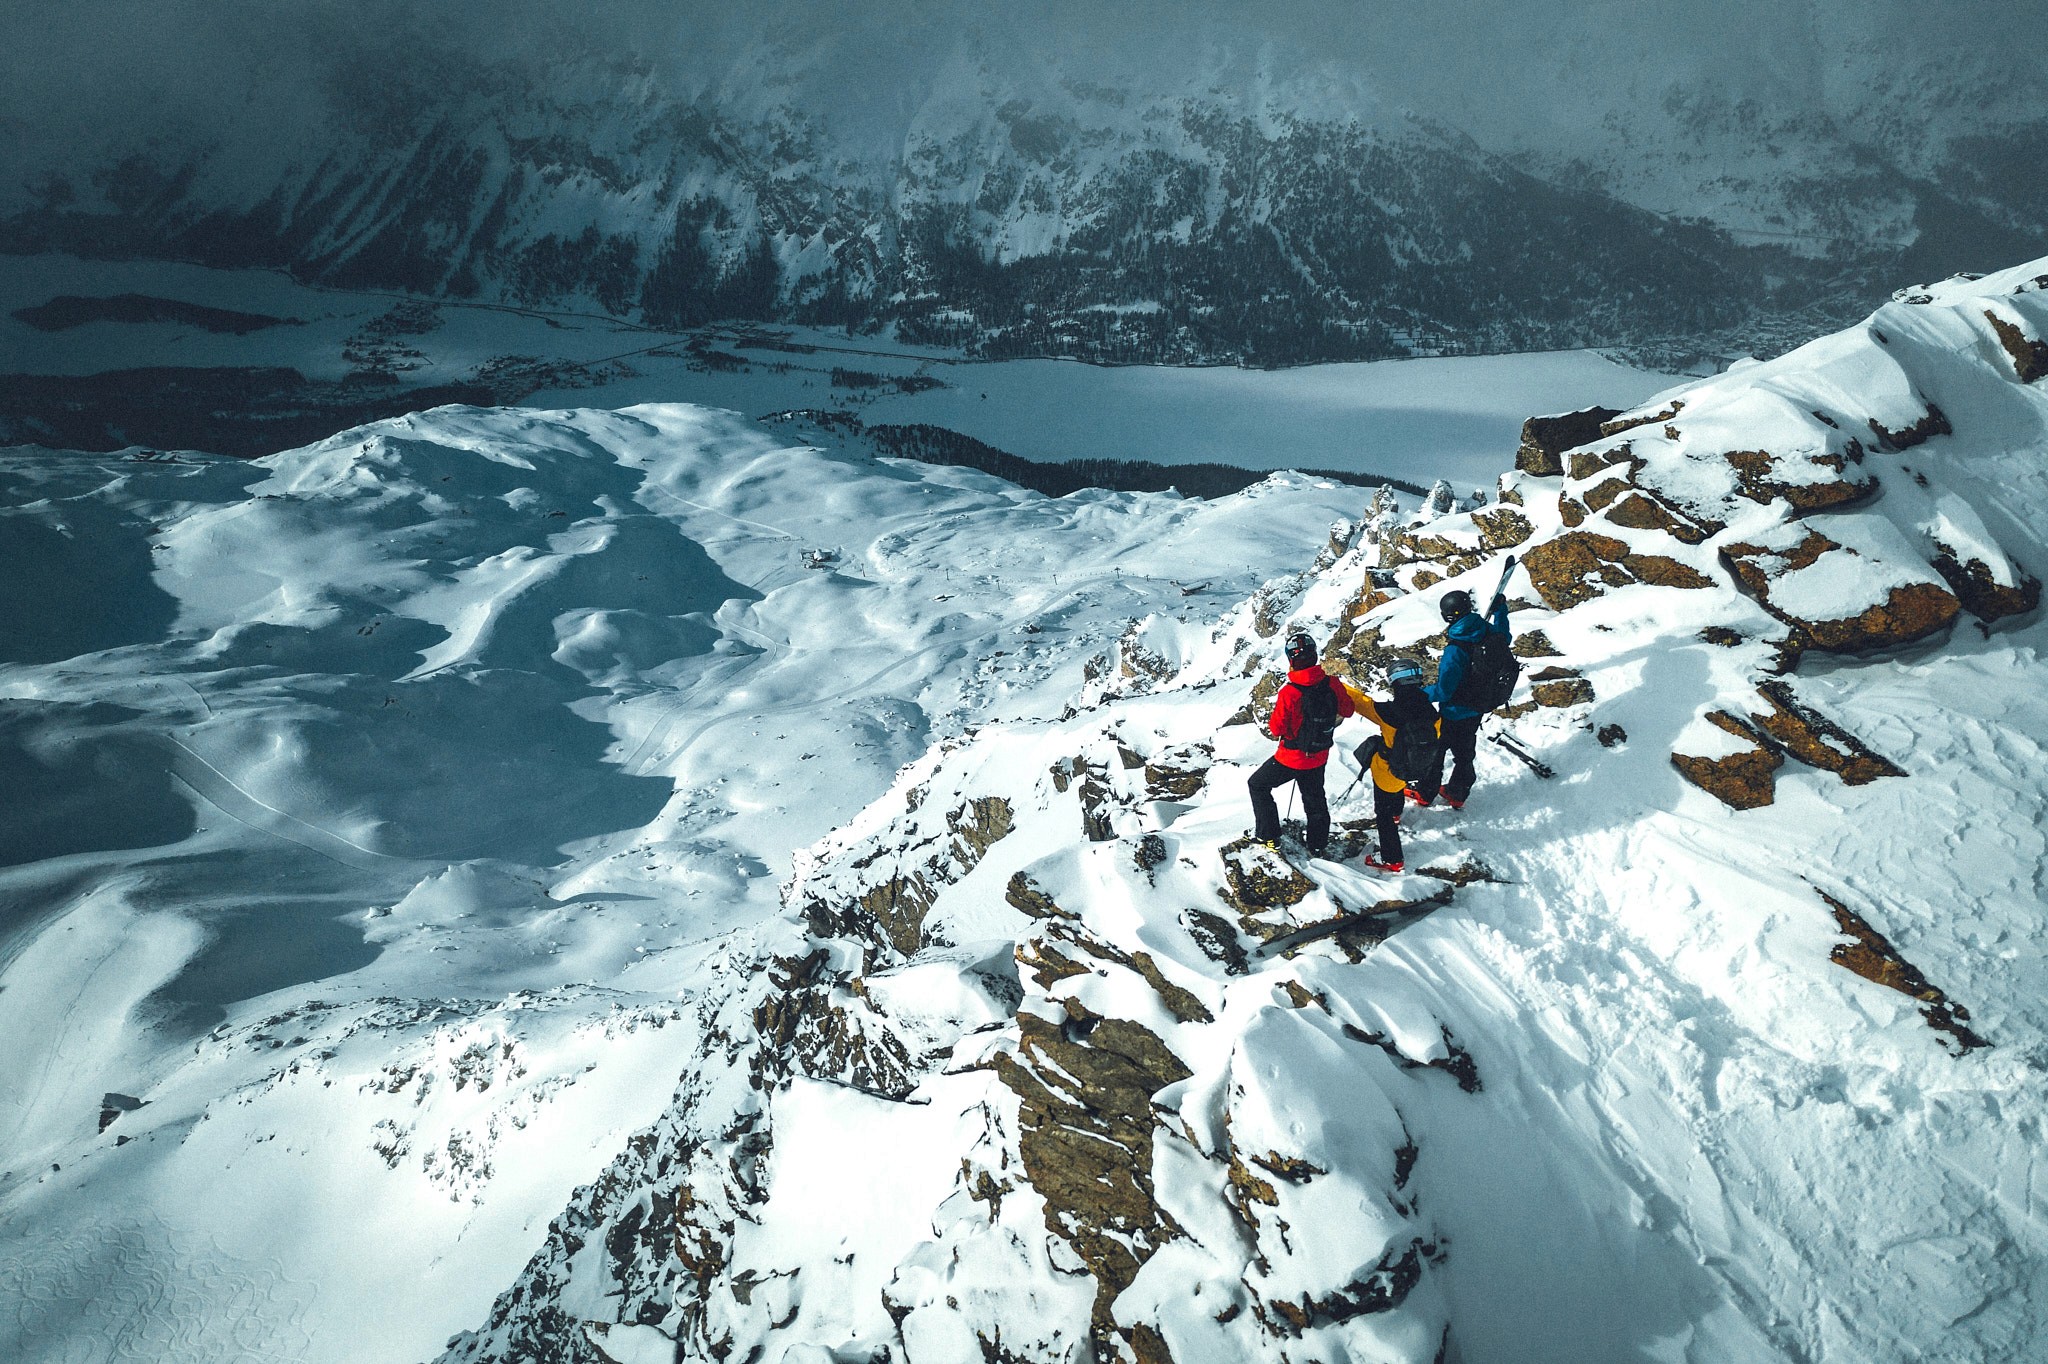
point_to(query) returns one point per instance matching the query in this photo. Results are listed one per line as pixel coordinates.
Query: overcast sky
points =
(82, 75)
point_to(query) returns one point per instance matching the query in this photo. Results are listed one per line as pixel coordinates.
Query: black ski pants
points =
(1461, 740)
(1274, 774)
(1386, 813)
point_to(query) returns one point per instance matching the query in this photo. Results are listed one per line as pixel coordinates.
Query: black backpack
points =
(1490, 672)
(1318, 718)
(1417, 750)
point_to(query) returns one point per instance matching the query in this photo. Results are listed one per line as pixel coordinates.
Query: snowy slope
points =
(449, 986)
(1725, 1044)
(373, 813)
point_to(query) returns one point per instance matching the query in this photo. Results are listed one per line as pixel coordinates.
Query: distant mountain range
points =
(1159, 187)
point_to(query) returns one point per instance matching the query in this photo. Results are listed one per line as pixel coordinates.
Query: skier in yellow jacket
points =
(1409, 742)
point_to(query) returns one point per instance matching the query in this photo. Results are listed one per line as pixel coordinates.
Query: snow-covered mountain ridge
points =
(403, 940)
(371, 812)
(1118, 186)
(1049, 1062)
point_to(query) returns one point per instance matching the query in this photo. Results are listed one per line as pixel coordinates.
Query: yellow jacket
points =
(1383, 775)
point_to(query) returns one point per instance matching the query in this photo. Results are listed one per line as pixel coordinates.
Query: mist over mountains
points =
(1178, 183)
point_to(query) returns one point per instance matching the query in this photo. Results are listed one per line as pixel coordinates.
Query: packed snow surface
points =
(544, 920)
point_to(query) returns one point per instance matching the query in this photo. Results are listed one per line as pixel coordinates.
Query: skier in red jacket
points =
(1305, 716)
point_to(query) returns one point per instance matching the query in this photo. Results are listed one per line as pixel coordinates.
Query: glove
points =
(1500, 599)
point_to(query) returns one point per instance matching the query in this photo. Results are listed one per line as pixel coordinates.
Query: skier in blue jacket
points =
(1466, 628)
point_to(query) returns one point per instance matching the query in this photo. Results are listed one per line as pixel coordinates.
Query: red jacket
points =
(1286, 721)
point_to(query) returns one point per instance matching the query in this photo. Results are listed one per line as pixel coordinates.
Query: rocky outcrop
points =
(1577, 566)
(1871, 955)
(1545, 439)
(889, 907)
(1841, 598)
(1560, 687)
(1085, 1090)
(2029, 355)
(1745, 779)
(1257, 880)
(1809, 483)
(1817, 741)
(1979, 589)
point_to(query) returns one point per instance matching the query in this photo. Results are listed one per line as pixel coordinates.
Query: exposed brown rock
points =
(1269, 612)
(1660, 571)
(1559, 687)
(898, 906)
(1259, 705)
(1300, 995)
(1933, 423)
(826, 1033)
(891, 912)
(1183, 1004)
(1383, 1287)
(1535, 644)
(1456, 1062)
(1870, 955)
(1359, 653)
(979, 825)
(1817, 741)
(1577, 566)
(1025, 895)
(1907, 613)
(1258, 879)
(2029, 357)
(1615, 427)
(1571, 511)
(1644, 511)
(1585, 464)
(1096, 800)
(1721, 636)
(1177, 773)
(1757, 473)
(1218, 939)
(1544, 439)
(1982, 595)
(1048, 965)
(1600, 495)
(1501, 528)
(1086, 1113)
(1741, 781)
(1354, 931)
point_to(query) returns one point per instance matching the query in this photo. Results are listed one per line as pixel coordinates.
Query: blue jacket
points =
(1465, 632)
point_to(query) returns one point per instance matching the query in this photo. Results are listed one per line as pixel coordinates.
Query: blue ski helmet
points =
(1405, 672)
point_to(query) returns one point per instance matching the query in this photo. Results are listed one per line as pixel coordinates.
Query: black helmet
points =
(1301, 650)
(1455, 604)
